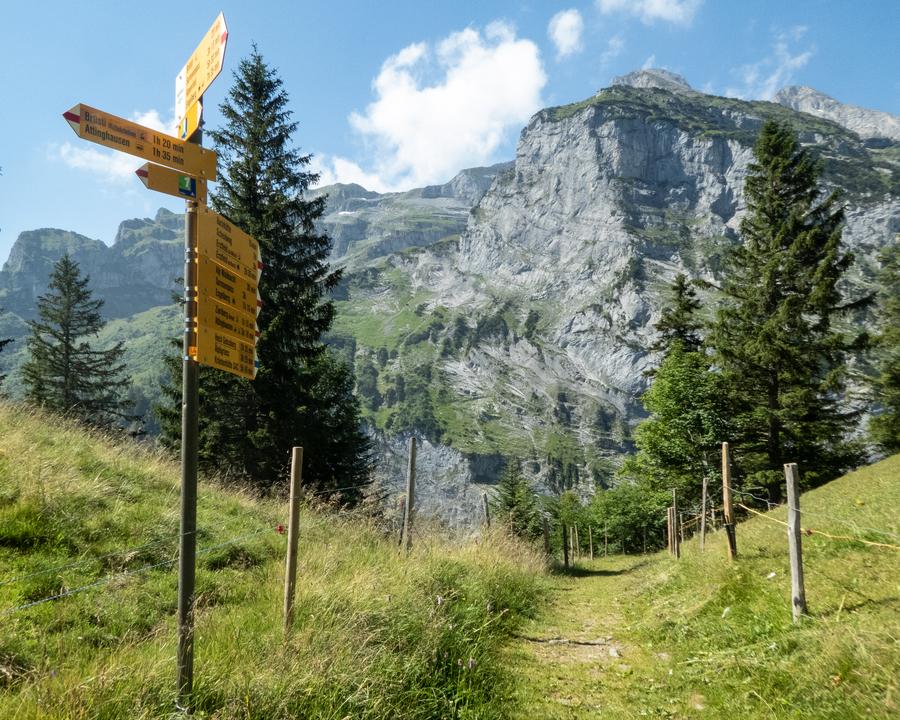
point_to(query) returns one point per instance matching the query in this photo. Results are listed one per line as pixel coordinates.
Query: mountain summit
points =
(866, 123)
(654, 78)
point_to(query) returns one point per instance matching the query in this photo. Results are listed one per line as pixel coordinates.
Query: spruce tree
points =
(774, 338)
(885, 426)
(63, 372)
(678, 321)
(302, 395)
(515, 504)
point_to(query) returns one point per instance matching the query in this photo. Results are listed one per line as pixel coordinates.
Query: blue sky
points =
(392, 94)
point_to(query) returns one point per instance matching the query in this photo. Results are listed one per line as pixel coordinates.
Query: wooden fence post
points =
(410, 495)
(669, 531)
(795, 548)
(290, 571)
(487, 510)
(703, 514)
(565, 544)
(591, 541)
(577, 543)
(676, 544)
(727, 510)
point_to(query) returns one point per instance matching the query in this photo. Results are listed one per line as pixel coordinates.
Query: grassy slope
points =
(702, 637)
(371, 638)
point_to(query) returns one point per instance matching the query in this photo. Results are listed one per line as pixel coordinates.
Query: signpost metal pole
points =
(187, 555)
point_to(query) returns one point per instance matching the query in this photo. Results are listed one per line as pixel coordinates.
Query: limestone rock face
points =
(868, 124)
(364, 225)
(654, 78)
(136, 272)
(606, 201)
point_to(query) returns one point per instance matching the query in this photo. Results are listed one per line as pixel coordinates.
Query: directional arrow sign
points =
(128, 137)
(219, 283)
(161, 179)
(226, 352)
(221, 241)
(201, 69)
(223, 318)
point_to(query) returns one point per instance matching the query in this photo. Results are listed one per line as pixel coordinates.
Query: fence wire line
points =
(127, 573)
(846, 523)
(810, 531)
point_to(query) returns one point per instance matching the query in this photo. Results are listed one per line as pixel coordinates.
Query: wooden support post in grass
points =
(680, 529)
(676, 544)
(669, 533)
(795, 549)
(727, 510)
(545, 526)
(703, 514)
(577, 543)
(591, 541)
(290, 571)
(487, 510)
(410, 495)
(565, 545)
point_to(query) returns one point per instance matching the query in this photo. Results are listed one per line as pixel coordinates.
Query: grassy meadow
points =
(376, 634)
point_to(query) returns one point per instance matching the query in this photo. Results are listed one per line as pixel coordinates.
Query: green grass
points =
(376, 635)
(703, 637)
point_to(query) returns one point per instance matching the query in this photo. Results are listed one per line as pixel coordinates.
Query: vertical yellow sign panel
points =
(202, 67)
(219, 283)
(221, 241)
(222, 318)
(226, 352)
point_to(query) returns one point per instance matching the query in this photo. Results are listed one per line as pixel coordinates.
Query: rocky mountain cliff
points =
(508, 313)
(868, 124)
(136, 272)
(530, 335)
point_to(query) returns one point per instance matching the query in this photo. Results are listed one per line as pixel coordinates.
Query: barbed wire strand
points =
(810, 531)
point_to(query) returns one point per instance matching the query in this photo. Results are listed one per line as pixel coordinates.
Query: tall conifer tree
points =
(302, 395)
(678, 320)
(63, 372)
(780, 354)
(885, 425)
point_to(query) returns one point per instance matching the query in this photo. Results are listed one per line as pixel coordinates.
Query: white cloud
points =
(614, 48)
(762, 79)
(440, 109)
(679, 12)
(650, 62)
(110, 165)
(565, 30)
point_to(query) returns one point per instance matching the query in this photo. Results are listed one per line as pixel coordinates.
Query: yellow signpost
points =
(223, 318)
(221, 241)
(226, 352)
(221, 274)
(219, 283)
(198, 73)
(171, 182)
(129, 137)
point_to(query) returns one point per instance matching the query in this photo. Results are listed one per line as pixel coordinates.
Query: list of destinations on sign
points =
(222, 242)
(220, 283)
(198, 73)
(226, 352)
(120, 134)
